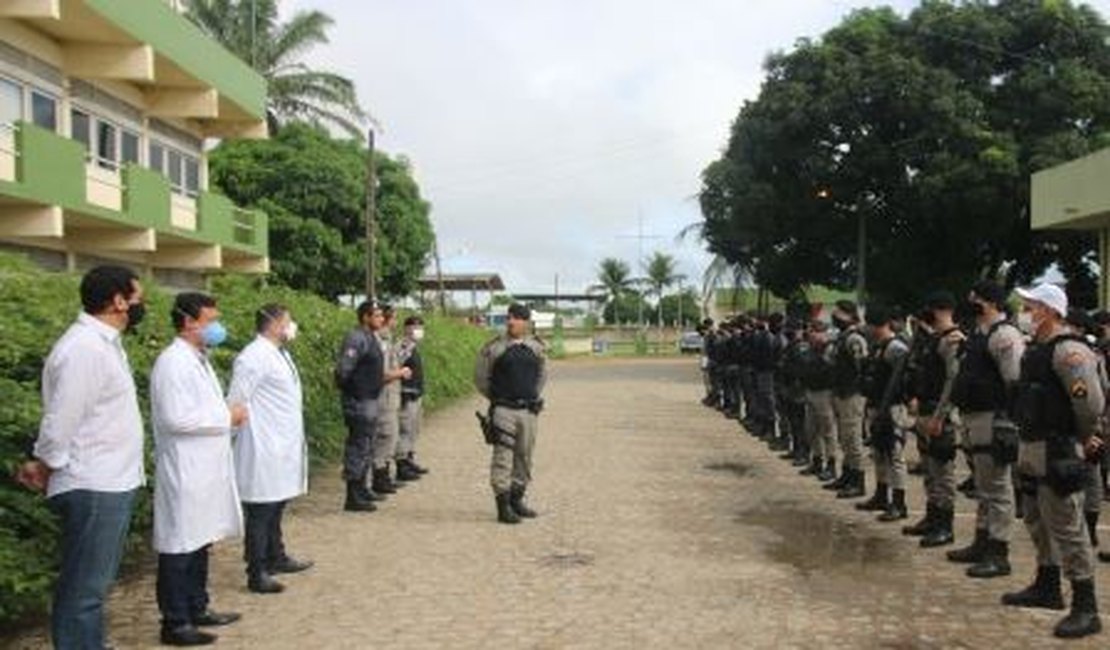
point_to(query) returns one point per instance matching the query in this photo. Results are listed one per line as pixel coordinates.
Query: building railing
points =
(9, 152)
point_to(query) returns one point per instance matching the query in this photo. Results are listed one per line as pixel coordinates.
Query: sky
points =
(545, 132)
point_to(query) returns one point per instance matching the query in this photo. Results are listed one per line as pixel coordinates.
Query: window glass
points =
(80, 128)
(106, 148)
(174, 170)
(129, 147)
(192, 176)
(44, 111)
(11, 101)
(156, 160)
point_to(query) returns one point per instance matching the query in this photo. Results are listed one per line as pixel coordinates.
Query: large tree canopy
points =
(923, 129)
(314, 188)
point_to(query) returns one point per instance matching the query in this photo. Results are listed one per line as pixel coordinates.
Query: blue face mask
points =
(213, 334)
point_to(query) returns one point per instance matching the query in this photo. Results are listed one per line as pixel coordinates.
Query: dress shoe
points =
(265, 584)
(290, 565)
(186, 635)
(209, 618)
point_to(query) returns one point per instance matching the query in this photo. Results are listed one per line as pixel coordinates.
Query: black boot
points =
(505, 512)
(855, 488)
(923, 525)
(356, 500)
(1104, 556)
(516, 500)
(1044, 593)
(1092, 527)
(828, 473)
(382, 483)
(973, 553)
(941, 533)
(896, 509)
(995, 562)
(841, 481)
(405, 470)
(412, 463)
(815, 467)
(1083, 619)
(878, 501)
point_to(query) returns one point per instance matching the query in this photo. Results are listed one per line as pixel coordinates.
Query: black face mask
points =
(136, 312)
(978, 309)
(841, 324)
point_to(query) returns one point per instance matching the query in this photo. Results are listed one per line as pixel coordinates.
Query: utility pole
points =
(861, 256)
(640, 237)
(371, 217)
(439, 280)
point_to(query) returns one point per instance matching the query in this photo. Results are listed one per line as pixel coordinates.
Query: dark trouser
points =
(794, 413)
(94, 527)
(763, 408)
(263, 539)
(361, 426)
(182, 586)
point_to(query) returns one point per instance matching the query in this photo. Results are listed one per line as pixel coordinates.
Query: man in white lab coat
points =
(196, 501)
(270, 461)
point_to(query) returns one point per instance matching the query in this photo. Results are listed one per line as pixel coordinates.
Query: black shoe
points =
(1083, 619)
(840, 482)
(923, 525)
(1104, 556)
(186, 635)
(800, 461)
(209, 618)
(505, 512)
(941, 533)
(813, 468)
(516, 502)
(382, 483)
(413, 465)
(917, 469)
(828, 472)
(265, 584)
(290, 565)
(855, 487)
(878, 501)
(967, 487)
(1044, 593)
(405, 471)
(896, 510)
(973, 553)
(789, 455)
(995, 562)
(356, 502)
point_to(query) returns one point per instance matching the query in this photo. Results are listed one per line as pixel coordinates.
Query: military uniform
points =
(388, 424)
(887, 426)
(849, 357)
(511, 373)
(359, 375)
(820, 418)
(763, 356)
(412, 397)
(792, 400)
(990, 366)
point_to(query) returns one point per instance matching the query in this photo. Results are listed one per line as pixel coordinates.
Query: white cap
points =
(1049, 295)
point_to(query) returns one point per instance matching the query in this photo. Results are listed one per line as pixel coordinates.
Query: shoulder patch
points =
(1078, 389)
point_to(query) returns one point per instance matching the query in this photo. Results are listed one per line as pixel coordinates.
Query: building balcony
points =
(52, 196)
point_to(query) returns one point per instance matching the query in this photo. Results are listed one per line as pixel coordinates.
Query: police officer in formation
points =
(1025, 400)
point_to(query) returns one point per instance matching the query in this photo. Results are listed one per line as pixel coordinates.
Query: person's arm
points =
(68, 391)
(246, 376)
(178, 400)
(483, 366)
(1077, 369)
(350, 351)
(541, 381)
(949, 351)
(1006, 347)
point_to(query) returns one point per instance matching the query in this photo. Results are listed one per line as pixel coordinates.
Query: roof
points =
(559, 297)
(462, 282)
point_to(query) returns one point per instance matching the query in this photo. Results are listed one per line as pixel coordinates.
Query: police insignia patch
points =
(1079, 389)
(352, 352)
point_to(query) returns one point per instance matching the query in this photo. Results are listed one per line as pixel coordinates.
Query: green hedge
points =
(39, 306)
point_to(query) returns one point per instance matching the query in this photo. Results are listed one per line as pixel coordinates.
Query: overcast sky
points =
(541, 131)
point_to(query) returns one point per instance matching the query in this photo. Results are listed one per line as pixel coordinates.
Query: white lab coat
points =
(270, 460)
(195, 499)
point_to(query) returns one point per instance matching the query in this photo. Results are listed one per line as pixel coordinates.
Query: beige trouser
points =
(849, 428)
(994, 485)
(940, 482)
(410, 419)
(511, 466)
(385, 436)
(824, 423)
(1056, 525)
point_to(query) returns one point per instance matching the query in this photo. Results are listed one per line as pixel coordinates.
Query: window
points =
(156, 159)
(11, 101)
(107, 152)
(174, 171)
(192, 176)
(80, 128)
(44, 110)
(129, 147)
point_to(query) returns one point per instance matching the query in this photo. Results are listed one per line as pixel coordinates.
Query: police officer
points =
(989, 369)
(387, 432)
(1058, 402)
(792, 394)
(933, 366)
(360, 375)
(886, 411)
(764, 348)
(849, 356)
(820, 418)
(511, 372)
(412, 395)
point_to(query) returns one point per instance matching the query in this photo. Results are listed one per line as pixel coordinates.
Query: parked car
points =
(690, 343)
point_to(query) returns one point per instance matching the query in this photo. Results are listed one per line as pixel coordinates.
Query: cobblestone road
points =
(662, 526)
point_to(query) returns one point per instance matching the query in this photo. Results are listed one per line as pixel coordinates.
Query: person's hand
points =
(239, 415)
(406, 373)
(1093, 448)
(33, 475)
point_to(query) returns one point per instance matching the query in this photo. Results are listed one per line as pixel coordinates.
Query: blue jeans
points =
(94, 529)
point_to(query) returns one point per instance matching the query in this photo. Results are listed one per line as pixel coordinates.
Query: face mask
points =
(290, 331)
(418, 334)
(136, 312)
(1025, 322)
(978, 308)
(213, 334)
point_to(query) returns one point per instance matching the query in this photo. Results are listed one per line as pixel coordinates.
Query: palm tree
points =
(661, 275)
(614, 279)
(250, 29)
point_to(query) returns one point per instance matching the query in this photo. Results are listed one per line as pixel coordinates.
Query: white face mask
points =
(418, 334)
(1025, 322)
(290, 331)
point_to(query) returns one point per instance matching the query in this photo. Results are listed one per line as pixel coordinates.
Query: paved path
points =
(663, 526)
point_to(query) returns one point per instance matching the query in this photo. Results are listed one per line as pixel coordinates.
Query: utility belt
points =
(410, 396)
(1056, 462)
(1004, 441)
(535, 406)
(943, 447)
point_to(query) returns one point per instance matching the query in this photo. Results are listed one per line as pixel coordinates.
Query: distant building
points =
(105, 110)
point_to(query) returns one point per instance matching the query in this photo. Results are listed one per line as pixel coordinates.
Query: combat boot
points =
(516, 500)
(827, 473)
(505, 513)
(1104, 556)
(382, 483)
(1044, 593)
(405, 470)
(412, 464)
(1083, 619)
(896, 509)
(941, 533)
(923, 525)
(974, 552)
(878, 501)
(356, 501)
(814, 467)
(855, 487)
(995, 562)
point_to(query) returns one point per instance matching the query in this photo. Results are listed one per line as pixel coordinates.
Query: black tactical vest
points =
(515, 376)
(926, 371)
(1042, 406)
(817, 373)
(847, 370)
(877, 372)
(979, 386)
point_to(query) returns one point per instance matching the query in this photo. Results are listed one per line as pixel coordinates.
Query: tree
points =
(625, 308)
(614, 281)
(680, 309)
(319, 183)
(919, 133)
(661, 275)
(250, 29)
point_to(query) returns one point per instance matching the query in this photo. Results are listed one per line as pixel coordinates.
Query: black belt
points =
(530, 404)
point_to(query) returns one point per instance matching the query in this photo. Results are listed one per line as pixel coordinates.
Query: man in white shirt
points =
(89, 451)
(196, 501)
(271, 466)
